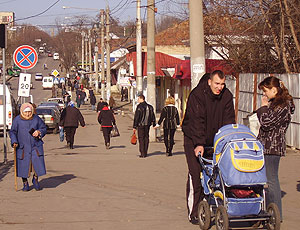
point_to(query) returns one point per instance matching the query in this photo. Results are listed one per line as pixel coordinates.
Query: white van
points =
(55, 56)
(10, 108)
(47, 82)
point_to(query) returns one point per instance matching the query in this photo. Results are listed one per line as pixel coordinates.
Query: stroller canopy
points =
(239, 156)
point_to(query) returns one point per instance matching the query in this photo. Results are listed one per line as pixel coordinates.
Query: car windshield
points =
(40, 111)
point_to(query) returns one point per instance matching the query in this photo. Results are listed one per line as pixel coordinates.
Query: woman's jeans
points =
(273, 193)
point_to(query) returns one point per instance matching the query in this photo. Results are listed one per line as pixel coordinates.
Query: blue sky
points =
(123, 9)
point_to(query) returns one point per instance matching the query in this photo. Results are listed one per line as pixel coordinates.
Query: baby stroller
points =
(234, 181)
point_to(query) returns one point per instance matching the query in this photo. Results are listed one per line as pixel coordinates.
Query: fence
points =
(248, 99)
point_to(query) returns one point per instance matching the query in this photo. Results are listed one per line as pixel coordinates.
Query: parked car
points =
(55, 56)
(50, 55)
(58, 100)
(54, 105)
(38, 76)
(50, 116)
(47, 82)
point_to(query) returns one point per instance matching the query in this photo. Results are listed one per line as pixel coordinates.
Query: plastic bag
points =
(133, 139)
(61, 134)
(115, 132)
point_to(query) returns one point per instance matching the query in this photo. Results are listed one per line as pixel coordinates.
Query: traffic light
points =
(2, 36)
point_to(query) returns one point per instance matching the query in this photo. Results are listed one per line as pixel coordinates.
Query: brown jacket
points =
(273, 126)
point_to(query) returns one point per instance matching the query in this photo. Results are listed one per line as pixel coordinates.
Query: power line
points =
(33, 16)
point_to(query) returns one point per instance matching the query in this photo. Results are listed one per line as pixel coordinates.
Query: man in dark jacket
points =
(92, 99)
(143, 118)
(100, 105)
(209, 107)
(69, 119)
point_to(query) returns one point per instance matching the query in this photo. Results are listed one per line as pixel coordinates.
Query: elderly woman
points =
(25, 134)
(170, 116)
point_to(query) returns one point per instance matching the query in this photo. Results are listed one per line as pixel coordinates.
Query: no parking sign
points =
(25, 57)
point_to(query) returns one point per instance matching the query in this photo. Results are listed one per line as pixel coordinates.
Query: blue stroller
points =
(234, 182)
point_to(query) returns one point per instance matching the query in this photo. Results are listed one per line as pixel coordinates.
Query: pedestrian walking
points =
(274, 116)
(69, 119)
(170, 117)
(78, 98)
(92, 99)
(144, 117)
(100, 105)
(26, 136)
(106, 119)
(112, 103)
(209, 107)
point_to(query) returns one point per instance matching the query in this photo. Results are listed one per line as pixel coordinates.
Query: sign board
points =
(25, 57)
(198, 68)
(7, 18)
(24, 85)
(55, 73)
(56, 80)
(124, 81)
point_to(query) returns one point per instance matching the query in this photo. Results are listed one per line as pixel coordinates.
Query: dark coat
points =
(29, 150)
(206, 113)
(170, 116)
(144, 115)
(273, 126)
(70, 117)
(92, 99)
(100, 106)
(106, 117)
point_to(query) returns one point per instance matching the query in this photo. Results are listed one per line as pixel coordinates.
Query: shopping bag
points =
(61, 134)
(115, 131)
(133, 139)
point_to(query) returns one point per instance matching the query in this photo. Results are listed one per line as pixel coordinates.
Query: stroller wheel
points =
(274, 222)
(204, 215)
(221, 219)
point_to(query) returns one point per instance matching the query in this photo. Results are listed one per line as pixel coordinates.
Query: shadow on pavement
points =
(53, 182)
(4, 168)
(118, 147)
(283, 193)
(156, 153)
(298, 186)
(84, 146)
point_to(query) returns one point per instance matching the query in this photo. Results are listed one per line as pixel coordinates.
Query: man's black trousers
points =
(194, 191)
(143, 137)
(106, 134)
(70, 133)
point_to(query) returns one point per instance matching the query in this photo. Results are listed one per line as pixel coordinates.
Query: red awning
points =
(161, 61)
(183, 69)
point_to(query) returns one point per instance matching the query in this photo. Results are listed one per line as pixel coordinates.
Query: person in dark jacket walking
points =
(69, 119)
(106, 119)
(209, 107)
(26, 136)
(144, 117)
(274, 115)
(92, 99)
(100, 105)
(170, 117)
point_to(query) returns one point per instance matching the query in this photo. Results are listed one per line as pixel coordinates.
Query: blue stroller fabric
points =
(239, 156)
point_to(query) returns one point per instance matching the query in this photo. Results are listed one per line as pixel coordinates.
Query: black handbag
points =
(115, 132)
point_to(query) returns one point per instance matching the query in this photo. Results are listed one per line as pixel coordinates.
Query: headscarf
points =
(71, 103)
(26, 106)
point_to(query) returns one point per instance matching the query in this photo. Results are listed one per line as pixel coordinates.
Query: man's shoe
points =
(194, 220)
(25, 186)
(140, 156)
(36, 184)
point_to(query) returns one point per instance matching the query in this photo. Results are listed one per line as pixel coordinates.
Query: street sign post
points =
(25, 57)
(55, 73)
(24, 85)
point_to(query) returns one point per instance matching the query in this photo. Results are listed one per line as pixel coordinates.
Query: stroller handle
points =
(203, 166)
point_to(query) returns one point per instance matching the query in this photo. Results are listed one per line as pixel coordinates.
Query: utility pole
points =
(90, 59)
(102, 55)
(151, 95)
(108, 78)
(196, 42)
(3, 46)
(86, 51)
(96, 67)
(82, 50)
(139, 77)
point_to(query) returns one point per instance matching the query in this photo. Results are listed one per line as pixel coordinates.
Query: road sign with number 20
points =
(24, 85)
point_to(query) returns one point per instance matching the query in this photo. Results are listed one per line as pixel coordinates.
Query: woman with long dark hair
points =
(274, 116)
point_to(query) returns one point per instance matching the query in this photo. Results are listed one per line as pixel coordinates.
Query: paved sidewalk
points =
(92, 188)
